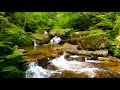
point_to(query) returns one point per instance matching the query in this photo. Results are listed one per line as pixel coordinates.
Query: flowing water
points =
(59, 67)
(36, 71)
(55, 40)
(35, 44)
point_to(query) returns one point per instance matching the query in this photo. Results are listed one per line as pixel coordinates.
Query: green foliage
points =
(80, 21)
(102, 23)
(15, 57)
(11, 72)
(117, 24)
(5, 49)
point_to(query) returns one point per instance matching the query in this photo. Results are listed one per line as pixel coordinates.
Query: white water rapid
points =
(35, 71)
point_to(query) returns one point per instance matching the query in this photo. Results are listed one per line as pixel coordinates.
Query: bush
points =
(5, 49)
(11, 72)
(80, 21)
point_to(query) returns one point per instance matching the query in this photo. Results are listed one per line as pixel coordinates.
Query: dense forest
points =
(18, 29)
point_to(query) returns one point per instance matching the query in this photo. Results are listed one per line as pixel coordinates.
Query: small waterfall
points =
(35, 44)
(35, 71)
(45, 32)
(55, 40)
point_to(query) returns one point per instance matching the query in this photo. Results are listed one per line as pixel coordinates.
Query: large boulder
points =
(60, 32)
(42, 38)
(91, 40)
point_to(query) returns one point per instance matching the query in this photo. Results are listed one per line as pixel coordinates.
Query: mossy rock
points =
(60, 32)
(5, 49)
(41, 38)
(93, 42)
(75, 36)
(11, 72)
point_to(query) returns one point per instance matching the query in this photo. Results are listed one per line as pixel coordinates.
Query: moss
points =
(11, 72)
(14, 58)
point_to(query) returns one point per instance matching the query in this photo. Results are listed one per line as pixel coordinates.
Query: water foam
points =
(35, 71)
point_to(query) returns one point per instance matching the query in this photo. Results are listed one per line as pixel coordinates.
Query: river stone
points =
(93, 42)
(71, 74)
(42, 39)
(86, 52)
(89, 41)
(59, 32)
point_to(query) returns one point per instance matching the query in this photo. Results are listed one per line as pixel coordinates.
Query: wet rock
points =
(57, 75)
(103, 58)
(69, 58)
(69, 46)
(80, 58)
(71, 74)
(86, 52)
(43, 62)
(104, 74)
(51, 67)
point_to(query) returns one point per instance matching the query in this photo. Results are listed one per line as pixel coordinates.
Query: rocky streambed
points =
(66, 61)
(81, 54)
